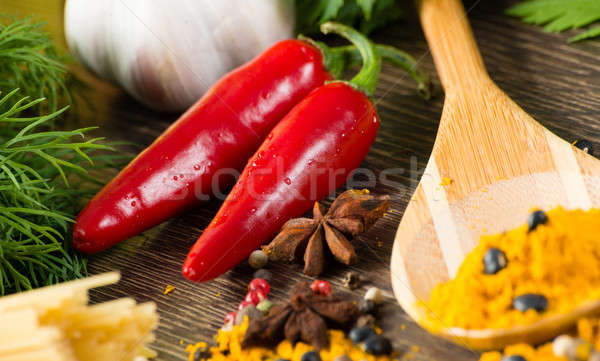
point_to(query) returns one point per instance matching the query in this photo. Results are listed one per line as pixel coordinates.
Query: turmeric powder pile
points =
(548, 266)
(229, 348)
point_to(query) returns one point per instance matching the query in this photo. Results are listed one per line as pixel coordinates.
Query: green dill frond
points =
(29, 61)
(46, 174)
(560, 15)
(38, 164)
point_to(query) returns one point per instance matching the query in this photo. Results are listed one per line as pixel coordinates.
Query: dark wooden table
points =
(559, 84)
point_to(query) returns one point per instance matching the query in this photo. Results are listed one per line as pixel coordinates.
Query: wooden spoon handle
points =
(457, 58)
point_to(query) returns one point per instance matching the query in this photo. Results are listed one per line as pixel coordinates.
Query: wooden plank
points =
(557, 83)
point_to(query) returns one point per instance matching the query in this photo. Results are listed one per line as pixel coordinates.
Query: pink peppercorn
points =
(244, 304)
(255, 297)
(320, 287)
(259, 284)
(230, 318)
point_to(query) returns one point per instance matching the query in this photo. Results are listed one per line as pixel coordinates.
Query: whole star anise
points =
(352, 213)
(304, 317)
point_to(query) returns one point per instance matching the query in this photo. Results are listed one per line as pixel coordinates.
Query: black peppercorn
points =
(352, 280)
(377, 345)
(494, 261)
(264, 274)
(530, 301)
(535, 219)
(311, 356)
(360, 334)
(585, 145)
(202, 354)
(514, 358)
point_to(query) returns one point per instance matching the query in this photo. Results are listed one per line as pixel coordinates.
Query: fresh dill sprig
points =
(29, 61)
(560, 15)
(42, 184)
(45, 174)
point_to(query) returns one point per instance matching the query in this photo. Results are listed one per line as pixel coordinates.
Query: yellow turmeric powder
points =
(559, 259)
(229, 348)
(530, 353)
(588, 332)
(588, 329)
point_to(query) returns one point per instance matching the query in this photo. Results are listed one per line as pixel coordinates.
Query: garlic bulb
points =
(167, 53)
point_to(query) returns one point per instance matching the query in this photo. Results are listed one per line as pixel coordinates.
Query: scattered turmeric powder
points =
(446, 181)
(530, 353)
(588, 329)
(168, 289)
(229, 348)
(548, 267)
(193, 349)
(582, 346)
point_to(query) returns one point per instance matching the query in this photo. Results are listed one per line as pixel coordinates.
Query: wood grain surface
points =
(557, 83)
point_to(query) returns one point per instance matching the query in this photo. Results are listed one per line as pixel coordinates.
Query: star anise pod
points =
(352, 213)
(304, 317)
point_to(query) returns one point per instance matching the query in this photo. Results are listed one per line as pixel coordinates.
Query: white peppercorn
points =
(374, 294)
(258, 259)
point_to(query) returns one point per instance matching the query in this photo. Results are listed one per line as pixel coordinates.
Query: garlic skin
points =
(168, 53)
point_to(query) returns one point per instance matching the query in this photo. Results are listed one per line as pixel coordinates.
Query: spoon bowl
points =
(491, 164)
(419, 263)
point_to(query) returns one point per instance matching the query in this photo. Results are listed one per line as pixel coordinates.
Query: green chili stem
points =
(367, 77)
(336, 62)
(339, 59)
(390, 54)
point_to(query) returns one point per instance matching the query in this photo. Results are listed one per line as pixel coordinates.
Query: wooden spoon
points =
(499, 163)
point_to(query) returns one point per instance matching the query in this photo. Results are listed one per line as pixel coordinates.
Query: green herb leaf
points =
(367, 7)
(43, 180)
(365, 15)
(591, 33)
(29, 61)
(331, 9)
(46, 174)
(560, 15)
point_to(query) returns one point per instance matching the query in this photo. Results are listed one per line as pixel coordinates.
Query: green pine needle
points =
(560, 15)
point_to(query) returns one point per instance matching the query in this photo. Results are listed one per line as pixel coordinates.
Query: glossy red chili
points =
(309, 154)
(188, 163)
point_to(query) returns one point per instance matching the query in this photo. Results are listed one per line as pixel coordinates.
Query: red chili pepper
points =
(221, 131)
(309, 154)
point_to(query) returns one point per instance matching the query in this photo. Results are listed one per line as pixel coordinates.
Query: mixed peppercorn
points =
(278, 332)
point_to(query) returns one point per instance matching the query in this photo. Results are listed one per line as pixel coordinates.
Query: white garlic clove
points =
(166, 54)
